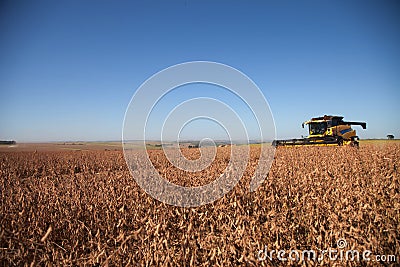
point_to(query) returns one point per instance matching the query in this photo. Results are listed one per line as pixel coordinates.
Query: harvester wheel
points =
(340, 141)
(355, 144)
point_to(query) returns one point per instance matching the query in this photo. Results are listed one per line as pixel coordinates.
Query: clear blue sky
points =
(69, 68)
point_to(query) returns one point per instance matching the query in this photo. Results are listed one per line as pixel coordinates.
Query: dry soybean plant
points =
(84, 208)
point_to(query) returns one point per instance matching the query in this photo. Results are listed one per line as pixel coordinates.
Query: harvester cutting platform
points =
(325, 131)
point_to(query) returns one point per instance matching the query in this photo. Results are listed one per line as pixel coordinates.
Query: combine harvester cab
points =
(326, 131)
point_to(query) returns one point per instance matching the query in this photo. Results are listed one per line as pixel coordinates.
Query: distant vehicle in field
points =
(194, 146)
(326, 130)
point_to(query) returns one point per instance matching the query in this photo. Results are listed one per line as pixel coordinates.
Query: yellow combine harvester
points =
(326, 131)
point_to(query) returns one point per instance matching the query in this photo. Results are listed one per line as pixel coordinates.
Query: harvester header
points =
(326, 130)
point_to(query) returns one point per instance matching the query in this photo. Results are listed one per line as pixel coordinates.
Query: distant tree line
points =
(3, 142)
